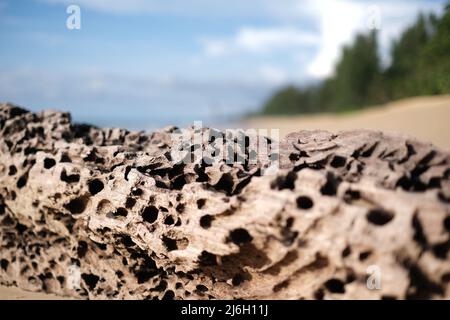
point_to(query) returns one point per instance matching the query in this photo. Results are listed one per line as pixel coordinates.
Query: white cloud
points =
(215, 47)
(273, 75)
(273, 38)
(341, 20)
(260, 40)
(338, 23)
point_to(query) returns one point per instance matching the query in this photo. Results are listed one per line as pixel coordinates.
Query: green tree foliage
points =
(420, 66)
(403, 74)
(433, 68)
(356, 73)
(291, 98)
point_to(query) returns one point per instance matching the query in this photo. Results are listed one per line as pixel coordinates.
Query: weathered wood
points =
(111, 206)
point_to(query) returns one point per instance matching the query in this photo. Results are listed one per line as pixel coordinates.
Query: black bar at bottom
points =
(221, 309)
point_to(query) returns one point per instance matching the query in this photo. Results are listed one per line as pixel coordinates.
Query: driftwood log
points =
(105, 213)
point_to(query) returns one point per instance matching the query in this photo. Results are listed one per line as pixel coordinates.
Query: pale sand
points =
(427, 118)
(13, 293)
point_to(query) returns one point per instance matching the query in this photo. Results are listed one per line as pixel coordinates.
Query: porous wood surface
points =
(113, 206)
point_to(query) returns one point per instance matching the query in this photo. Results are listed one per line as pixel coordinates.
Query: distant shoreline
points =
(425, 117)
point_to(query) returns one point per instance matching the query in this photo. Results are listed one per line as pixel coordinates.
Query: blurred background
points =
(147, 64)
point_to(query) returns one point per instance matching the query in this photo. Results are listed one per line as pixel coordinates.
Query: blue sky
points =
(144, 64)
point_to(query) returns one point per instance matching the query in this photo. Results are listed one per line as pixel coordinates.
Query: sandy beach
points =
(426, 118)
(13, 293)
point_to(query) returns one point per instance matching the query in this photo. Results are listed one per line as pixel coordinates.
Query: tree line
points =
(420, 65)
